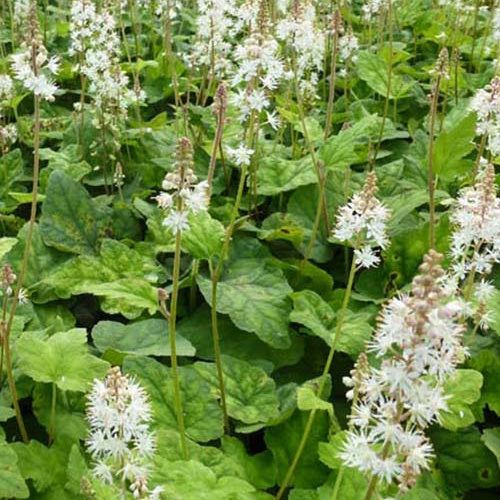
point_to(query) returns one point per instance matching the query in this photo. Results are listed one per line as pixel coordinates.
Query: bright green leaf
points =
(12, 484)
(463, 388)
(374, 70)
(62, 359)
(250, 393)
(205, 236)
(254, 294)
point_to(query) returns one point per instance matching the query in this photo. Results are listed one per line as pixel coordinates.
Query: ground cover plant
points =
(249, 249)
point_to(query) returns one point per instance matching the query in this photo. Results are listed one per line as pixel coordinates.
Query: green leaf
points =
(43, 261)
(120, 275)
(235, 342)
(254, 294)
(127, 296)
(205, 236)
(283, 441)
(77, 469)
(493, 310)
(149, 337)
(307, 399)
(491, 438)
(328, 452)
(463, 388)
(62, 359)
(44, 466)
(250, 394)
(310, 310)
(464, 460)
(279, 226)
(452, 144)
(203, 416)
(277, 174)
(67, 159)
(191, 480)
(488, 363)
(12, 484)
(258, 469)
(374, 70)
(71, 220)
(5, 245)
(69, 421)
(11, 171)
(352, 487)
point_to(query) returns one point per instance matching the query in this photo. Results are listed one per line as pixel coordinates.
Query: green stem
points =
(322, 206)
(217, 352)
(326, 370)
(52, 424)
(217, 142)
(173, 349)
(192, 290)
(215, 275)
(22, 272)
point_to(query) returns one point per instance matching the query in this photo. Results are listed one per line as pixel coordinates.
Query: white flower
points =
(366, 257)
(164, 200)
(273, 120)
(241, 155)
(196, 199)
(6, 88)
(176, 221)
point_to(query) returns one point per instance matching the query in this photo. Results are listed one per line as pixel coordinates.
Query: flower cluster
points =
(32, 65)
(348, 47)
(188, 196)
(475, 241)
(486, 103)
(95, 39)
(419, 343)
(301, 30)
(120, 442)
(8, 132)
(215, 27)
(373, 8)
(362, 222)
(8, 278)
(21, 10)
